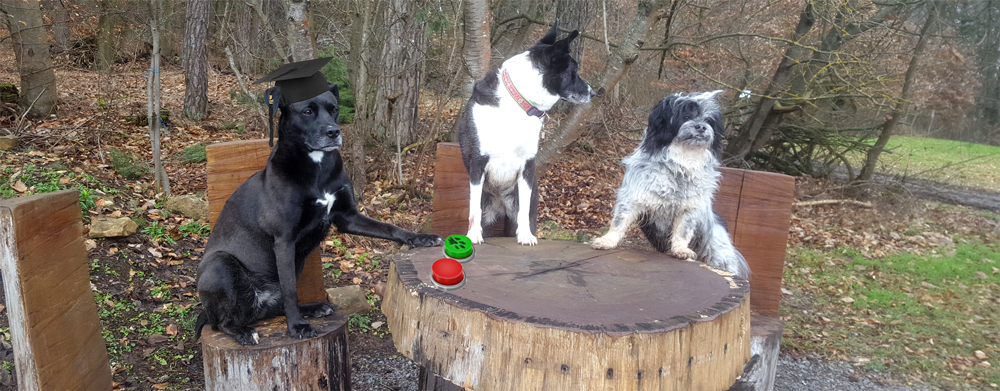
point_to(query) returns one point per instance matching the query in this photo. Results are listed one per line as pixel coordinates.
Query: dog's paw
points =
(247, 336)
(425, 240)
(683, 253)
(604, 243)
(301, 330)
(476, 236)
(527, 239)
(316, 310)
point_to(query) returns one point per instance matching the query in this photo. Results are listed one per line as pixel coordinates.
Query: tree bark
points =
(615, 67)
(904, 99)
(106, 34)
(299, 37)
(60, 24)
(194, 59)
(741, 146)
(476, 49)
(160, 179)
(404, 55)
(279, 47)
(362, 40)
(31, 50)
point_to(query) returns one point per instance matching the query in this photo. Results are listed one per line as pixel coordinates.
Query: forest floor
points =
(144, 284)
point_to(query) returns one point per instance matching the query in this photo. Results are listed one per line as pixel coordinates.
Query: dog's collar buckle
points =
(529, 108)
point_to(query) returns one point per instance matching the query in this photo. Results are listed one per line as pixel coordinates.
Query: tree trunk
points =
(194, 59)
(476, 50)
(31, 50)
(365, 121)
(106, 35)
(742, 145)
(299, 37)
(841, 32)
(244, 37)
(160, 179)
(404, 50)
(279, 47)
(60, 24)
(904, 99)
(615, 67)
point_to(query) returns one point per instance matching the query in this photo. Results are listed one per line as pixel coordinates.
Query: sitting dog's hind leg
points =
(316, 310)
(225, 291)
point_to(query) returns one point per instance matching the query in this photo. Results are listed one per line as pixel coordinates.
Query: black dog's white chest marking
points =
(327, 201)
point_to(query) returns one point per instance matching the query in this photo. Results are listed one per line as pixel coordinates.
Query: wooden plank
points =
(55, 330)
(762, 233)
(229, 165)
(727, 198)
(450, 214)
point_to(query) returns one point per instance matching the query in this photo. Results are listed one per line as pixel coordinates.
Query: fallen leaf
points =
(172, 329)
(982, 275)
(160, 386)
(19, 186)
(980, 355)
(376, 325)
(356, 280)
(847, 300)
(155, 253)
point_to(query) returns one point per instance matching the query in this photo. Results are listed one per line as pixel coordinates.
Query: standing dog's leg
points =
(524, 189)
(624, 214)
(684, 227)
(477, 177)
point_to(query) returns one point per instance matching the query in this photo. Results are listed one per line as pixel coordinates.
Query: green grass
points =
(194, 154)
(920, 315)
(954, 162)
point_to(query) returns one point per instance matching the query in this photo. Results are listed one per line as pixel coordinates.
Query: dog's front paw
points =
(527, 239)
(683, 253)
(424, 240)
(316, 310)
(475, 236)
(301, 330)
(246, 336)
(605, 242)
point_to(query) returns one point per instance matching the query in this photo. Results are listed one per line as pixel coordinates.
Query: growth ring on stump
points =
(562, 316)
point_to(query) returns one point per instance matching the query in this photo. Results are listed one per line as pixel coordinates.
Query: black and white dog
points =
(501, 128)
(273, 220)
(670, 181)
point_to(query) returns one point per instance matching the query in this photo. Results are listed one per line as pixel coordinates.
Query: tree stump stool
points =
(279, 362)
(562, 316)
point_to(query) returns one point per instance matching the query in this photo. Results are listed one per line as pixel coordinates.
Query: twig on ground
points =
(830, 202)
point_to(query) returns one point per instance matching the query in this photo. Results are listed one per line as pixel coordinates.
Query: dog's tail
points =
(721, 254)
(202, 321)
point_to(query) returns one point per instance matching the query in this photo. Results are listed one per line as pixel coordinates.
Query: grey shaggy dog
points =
(669, 184)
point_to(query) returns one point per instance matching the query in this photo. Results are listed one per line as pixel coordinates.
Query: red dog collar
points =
(527, 106)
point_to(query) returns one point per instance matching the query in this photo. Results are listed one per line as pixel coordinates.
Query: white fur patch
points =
(326, 201)
(316, 156)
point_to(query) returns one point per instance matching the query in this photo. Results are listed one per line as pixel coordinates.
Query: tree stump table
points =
(562, 316)
(279, 362)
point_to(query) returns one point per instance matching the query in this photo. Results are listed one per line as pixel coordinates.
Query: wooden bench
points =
(279, 361)
(54, 327)
(756, 207)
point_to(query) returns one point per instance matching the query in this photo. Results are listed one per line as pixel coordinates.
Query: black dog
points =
(273, 220)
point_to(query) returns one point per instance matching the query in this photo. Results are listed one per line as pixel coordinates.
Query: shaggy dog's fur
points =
(670, 181)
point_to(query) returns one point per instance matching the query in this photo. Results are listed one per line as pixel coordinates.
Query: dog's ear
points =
(550, 37)
(335, 90)
(660, 131)
(563, 44)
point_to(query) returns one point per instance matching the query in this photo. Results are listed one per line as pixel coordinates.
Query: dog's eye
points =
(307, 111)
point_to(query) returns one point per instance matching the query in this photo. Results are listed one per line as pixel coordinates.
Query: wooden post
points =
(279, 362)
(561, 316)
(55, 330)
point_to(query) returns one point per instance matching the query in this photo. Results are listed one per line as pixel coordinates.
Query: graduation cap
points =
(293, 82)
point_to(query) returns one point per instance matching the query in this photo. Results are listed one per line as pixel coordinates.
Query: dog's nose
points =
(592, 92)
(332, 132)
(699, 127)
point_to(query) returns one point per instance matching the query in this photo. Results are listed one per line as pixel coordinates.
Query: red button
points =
(447, 271)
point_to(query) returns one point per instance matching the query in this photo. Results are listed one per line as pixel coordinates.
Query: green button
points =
(458, 246)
